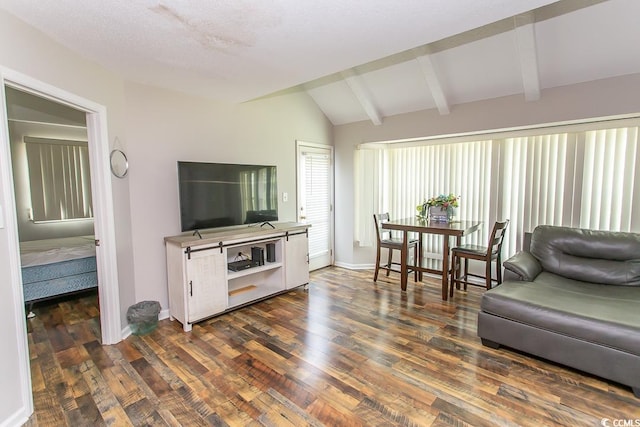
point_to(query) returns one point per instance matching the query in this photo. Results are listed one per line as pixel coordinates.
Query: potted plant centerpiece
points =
(439, 208)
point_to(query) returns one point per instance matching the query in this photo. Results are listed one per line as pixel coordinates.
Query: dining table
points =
(449, 229)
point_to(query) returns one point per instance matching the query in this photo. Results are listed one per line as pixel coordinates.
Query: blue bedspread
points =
(50, 280)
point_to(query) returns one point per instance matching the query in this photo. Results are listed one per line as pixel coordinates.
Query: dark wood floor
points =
(346, 351)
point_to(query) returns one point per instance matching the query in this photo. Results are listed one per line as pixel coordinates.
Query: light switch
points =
(285, 197)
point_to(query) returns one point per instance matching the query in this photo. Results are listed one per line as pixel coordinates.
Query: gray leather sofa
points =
(574, 298)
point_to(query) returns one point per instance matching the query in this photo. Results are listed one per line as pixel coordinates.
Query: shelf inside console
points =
(254, 283)
(247, 288)
(253, 270)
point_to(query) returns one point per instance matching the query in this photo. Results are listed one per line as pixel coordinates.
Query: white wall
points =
(27, 51)
(164, 127)
(582, 101)
(155, 128)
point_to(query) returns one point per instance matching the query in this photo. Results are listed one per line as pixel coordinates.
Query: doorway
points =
(315, 200)
(52, 190)
(104, 222)
(100, 178)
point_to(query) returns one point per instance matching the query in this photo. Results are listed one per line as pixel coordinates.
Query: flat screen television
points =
(221, 194)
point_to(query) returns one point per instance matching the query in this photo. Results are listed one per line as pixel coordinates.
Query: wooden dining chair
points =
(391, 243)
(488, 254)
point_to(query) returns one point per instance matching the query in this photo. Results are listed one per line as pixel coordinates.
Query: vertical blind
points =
(609, 179)
(585, 178)
(396, 180)
(59, 179)
(537, 184)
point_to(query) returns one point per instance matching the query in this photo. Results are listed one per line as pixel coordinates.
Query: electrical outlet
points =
(285, 197)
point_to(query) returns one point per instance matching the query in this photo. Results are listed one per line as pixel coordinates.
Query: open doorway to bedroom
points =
(109, 325)
(54, 206)
(102, 205)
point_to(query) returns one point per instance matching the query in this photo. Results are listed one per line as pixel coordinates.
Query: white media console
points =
(201, 284)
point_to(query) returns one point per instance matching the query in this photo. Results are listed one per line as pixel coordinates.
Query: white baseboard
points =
(164, 314)
(354, 266)
(126, 331)
(17, 419)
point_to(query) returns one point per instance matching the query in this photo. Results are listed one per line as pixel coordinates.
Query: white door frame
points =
(108, 289)
(300, 145)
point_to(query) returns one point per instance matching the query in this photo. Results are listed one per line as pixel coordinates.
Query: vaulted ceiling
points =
(358, 59)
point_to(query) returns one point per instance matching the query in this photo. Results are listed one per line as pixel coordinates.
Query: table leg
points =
(404, 252)
(419, 260)
(445, 267)
(458, 243)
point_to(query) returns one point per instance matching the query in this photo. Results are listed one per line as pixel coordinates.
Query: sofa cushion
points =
(602, 314)
(602, 257)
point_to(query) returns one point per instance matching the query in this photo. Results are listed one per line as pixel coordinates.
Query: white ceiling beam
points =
(430, 75)
(359, 89)
(526, 45)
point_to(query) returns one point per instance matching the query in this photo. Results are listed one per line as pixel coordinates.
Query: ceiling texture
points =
(358, 59)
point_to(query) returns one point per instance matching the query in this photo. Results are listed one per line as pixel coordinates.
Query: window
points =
(396, 180)
(581, 176)
(59, 179)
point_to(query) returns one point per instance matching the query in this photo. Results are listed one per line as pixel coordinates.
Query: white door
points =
(315, 200)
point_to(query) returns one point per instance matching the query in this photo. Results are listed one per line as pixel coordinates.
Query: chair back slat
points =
(380, 219)
(497, 237)
(488, 254)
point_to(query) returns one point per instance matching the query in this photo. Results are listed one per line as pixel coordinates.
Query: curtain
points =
(370, 190)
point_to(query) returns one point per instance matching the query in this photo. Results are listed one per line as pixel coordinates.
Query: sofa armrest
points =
(522, 266)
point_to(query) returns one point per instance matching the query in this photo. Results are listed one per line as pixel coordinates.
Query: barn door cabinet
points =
(297, 258)
(203, 283)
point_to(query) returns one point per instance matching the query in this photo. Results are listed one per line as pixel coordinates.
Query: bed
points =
(56, 267)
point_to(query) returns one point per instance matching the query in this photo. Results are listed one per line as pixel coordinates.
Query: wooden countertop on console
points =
(234, 233)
